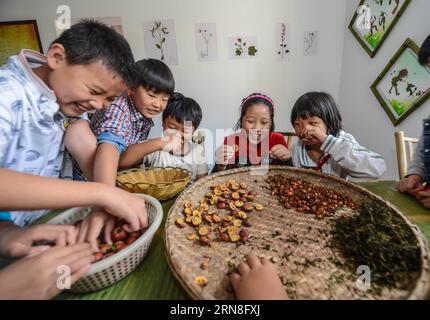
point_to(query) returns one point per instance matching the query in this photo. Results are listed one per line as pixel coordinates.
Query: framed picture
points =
(404, 84)
(17, 35)
(373, 21)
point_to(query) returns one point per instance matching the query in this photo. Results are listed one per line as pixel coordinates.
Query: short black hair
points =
(424, 55)
(321, 105)
(155, 75)
(253, 99)
(182, 109)
(91, 41)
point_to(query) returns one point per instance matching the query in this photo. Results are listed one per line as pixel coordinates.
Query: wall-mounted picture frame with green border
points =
(374, 20)
(404, 84)
(18, 35)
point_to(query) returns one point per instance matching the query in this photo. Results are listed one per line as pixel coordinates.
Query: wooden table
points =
(153, 279)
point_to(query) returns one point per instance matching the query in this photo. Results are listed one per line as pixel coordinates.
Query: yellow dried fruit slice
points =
(237, 223)
(235, 195)
(191, 236)
(259, 207)
(232, 230)
(188, 219)
(201, 281)
(235, 187)
(243, 185)
(242, 215)
(232, 206)
(196, 213)
(231, 182)
(203, 231)
(238, 204)
(180, 223)
(228, 218)
(234, 237)
(196, 221)
(216, 218)
(217, 191)
(187, 211)
(188, 204)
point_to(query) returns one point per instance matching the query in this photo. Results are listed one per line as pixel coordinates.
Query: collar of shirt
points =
(136, 116)
(24, 64)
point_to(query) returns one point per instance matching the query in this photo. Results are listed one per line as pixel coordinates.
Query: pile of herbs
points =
(381, 240)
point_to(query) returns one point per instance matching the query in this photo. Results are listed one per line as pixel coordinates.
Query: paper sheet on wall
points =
(160, 40)
(206, 41)
(283, 41)
(243, 47)
(310, 43)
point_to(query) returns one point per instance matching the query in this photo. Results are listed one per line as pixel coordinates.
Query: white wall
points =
(219, 86)
(363, 115)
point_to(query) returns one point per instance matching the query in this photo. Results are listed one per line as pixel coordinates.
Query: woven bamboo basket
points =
(161, 183)
(106, 272)
(311, 236)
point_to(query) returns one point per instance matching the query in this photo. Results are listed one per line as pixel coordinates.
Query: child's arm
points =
(416, 166)
(224, 154)
(359, 162)
(202, 162)
(36, 277)
(81, 143)
(20, 191)
(134, 154)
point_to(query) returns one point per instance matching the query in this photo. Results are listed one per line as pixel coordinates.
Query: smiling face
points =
(80, 88)
(149, 103)
(300, 124)
(257, 122)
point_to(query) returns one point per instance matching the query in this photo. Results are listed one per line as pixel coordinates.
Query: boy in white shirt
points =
(182, 117)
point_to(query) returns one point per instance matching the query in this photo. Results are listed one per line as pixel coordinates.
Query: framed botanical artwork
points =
(404, 84)
(374, 20)
(17, 35)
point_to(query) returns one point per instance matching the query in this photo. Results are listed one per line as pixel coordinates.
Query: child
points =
(190, 155)
(256, 143)
(323, 146)
(126, 122)
(419, 168)
(86, 67)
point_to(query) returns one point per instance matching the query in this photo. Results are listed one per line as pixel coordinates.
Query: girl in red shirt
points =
(256, 143)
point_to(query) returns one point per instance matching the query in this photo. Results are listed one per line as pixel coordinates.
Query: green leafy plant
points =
(159, 33)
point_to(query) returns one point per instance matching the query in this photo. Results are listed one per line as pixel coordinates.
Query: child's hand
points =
(257, 280)
(172, 141)
(223, 154)
(124, 205)
(91, 227)
(16, 242)
(36, 277)
(280, 152)
(312, 133)
(409, 184)
(423, 197)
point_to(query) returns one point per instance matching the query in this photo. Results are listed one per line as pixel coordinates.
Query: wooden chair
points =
(290, 136)
(405, 148)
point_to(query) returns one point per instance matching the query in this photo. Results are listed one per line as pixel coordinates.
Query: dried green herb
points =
(381, 240)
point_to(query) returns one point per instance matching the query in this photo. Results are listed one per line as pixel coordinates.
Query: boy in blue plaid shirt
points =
(419, 168)
(98, 145)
